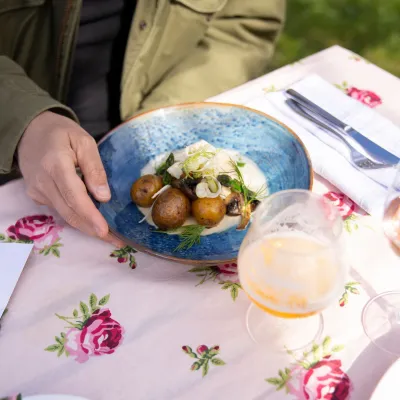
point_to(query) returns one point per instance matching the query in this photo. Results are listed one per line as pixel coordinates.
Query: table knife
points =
(376, 151)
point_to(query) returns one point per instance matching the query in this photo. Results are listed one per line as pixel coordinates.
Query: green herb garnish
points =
(234, 184)
(162, 168)
(241, 164)
(224, 180)
(166, 178)
(239, 185)
(189, 235)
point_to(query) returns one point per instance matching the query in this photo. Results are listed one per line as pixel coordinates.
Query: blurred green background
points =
(370, 28)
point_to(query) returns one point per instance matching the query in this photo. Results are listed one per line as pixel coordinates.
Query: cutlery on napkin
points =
(13, 257)
(329, 156)
(376, 154)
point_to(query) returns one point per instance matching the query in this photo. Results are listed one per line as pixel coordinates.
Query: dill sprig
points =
(239, 175)
(190, 236)
(248, 195)
(259, 195)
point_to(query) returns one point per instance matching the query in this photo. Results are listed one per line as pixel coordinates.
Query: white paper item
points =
(329, 156)
(13, 257)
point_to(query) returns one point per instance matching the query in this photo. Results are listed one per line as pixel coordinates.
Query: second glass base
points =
(283, 334)
(381, 321)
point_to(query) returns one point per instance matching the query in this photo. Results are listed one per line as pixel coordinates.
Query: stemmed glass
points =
(391, 219)
(381, 315)
(292, 266)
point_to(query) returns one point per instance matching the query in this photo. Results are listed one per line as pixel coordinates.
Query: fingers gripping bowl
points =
(268, 155)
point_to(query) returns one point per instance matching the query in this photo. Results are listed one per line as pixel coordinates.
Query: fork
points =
(358, 159)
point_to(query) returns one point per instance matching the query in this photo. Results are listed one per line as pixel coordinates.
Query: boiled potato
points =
(144, 188)
(208, 212)
(170, 209)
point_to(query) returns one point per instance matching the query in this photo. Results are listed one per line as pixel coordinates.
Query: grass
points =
(369, 28)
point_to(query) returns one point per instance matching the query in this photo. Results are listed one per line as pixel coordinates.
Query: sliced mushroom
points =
(245, 218)
(187, 187)
(254, 204)
(234, 204)
(175, 183)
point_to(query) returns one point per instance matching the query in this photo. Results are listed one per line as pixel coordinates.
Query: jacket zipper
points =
(63, 55)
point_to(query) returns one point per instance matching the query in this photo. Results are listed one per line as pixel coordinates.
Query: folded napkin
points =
(329, 156)
(13, 257)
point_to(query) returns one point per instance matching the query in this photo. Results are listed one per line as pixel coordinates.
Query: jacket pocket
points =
(204, 6)
(9, 5)
(179, 30)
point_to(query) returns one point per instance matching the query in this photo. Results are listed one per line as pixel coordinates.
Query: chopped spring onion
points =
(163, 189)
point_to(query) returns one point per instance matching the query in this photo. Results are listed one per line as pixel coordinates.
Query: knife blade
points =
(354, 147)
(376, 151)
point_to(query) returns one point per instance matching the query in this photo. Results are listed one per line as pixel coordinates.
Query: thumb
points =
(89, 161)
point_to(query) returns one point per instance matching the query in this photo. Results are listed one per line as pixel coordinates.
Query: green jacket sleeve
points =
(21, 100)
(237, 48)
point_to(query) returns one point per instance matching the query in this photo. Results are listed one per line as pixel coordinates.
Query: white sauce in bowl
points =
(252, 176)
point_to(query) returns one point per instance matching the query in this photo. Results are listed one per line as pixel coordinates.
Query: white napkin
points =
(13, 257)
(329, 156)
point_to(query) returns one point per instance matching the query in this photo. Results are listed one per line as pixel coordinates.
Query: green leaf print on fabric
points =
(125, 255)
(225, 274)
(204, 356)
(349, 288)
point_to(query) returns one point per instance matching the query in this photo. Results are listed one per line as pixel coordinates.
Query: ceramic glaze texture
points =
(277, 152)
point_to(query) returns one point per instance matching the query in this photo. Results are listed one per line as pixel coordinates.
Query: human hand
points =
(51, 148)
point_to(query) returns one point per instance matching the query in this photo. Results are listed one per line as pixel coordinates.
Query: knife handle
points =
(295, 106)
(316, 109)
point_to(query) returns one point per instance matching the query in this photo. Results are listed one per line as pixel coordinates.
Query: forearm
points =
(21, 100)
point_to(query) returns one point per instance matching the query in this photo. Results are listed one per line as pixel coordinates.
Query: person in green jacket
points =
(71, 70)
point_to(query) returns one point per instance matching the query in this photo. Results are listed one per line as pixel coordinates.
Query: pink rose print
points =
(345, 205)
(204, 356)
(41, 230)
(226, 274)
(319, 379)
(201, 349)
(100, 335)
(72, 345)
(366, 97)
(124, 255)
(326, 381)
(346, 208)
(93, 333)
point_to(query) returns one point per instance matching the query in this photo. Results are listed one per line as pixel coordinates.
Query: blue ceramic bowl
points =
(278, 152)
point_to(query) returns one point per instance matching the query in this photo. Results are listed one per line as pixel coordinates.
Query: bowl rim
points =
(194, 105)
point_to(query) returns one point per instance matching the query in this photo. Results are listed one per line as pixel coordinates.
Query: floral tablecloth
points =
(90, 320)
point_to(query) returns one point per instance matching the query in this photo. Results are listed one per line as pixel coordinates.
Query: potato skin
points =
(208, 212)
(144, 188)
(170, 209)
